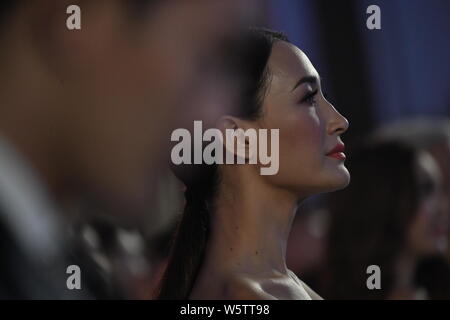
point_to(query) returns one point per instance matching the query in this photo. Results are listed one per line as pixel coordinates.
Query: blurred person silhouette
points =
(433, 135)
(390, 216)
(86, 114)
(231, 241)
(428, 133)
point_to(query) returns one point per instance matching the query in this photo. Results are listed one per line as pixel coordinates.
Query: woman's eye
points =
(310, 98)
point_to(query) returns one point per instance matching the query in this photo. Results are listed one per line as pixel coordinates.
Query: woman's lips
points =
(337, 152)
(338, 155)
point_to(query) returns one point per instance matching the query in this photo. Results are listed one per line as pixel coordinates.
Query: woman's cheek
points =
(311, 130)
(298, 137)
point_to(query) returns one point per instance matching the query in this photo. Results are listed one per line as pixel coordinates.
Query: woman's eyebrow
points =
(307, 79)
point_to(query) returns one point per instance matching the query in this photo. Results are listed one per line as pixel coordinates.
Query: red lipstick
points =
(338, 152)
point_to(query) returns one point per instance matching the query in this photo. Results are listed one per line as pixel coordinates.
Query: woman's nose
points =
(338, 124)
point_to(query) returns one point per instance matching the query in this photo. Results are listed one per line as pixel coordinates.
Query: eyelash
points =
(310, 98)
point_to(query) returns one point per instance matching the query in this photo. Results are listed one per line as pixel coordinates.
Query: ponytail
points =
(191, 237)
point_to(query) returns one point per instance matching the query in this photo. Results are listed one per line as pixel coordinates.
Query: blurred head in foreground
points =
(92, 109)
(390, 216)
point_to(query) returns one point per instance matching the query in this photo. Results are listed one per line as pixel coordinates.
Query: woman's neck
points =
(250, 227)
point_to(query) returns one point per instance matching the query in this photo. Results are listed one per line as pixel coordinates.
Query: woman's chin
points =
(339, 179)
(329, 183)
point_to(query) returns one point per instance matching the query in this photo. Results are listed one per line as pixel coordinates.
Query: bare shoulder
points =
(243, 288)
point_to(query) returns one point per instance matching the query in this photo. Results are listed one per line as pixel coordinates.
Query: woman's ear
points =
(239, 139)
(228, 122)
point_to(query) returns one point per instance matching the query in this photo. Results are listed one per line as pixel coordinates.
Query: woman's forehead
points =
(287, 64)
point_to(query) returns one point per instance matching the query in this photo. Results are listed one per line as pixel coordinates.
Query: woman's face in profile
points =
(309, 126)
